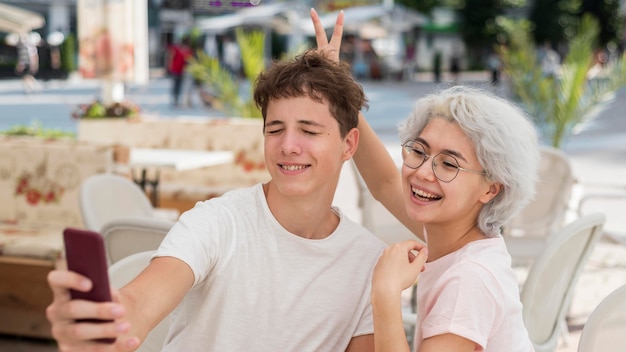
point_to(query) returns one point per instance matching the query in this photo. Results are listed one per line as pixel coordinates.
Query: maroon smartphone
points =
(84, 253)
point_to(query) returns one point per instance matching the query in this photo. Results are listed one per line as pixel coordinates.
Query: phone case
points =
(85, 254)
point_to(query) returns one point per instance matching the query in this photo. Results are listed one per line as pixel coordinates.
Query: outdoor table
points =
(176, 159)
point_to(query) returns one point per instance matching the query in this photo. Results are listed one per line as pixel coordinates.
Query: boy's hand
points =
(63, 313)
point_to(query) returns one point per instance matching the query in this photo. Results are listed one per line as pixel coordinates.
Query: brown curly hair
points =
(314, 75)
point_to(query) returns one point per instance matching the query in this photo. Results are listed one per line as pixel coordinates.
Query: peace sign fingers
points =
(330, 48)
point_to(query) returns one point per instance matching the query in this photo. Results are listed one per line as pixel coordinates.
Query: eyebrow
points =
(302, 122)
(445, 151)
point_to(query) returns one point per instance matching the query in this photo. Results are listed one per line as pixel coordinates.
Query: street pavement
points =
(597, 152)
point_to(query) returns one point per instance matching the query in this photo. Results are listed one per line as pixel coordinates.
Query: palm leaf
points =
(562, 104)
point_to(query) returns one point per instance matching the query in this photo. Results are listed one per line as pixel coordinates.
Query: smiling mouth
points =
(424, 195)
(293, 167)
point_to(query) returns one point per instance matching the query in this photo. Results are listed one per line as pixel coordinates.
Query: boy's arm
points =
(137, 308)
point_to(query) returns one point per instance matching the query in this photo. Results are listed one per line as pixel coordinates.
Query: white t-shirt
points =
(473, 293)
(260, 288)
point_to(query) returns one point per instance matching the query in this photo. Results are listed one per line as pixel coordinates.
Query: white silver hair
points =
(505, 140)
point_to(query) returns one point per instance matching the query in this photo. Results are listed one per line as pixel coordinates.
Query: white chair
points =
(121, 273)
(526, 234)
(547, 292)
(605, 329)
(129, 235)
(105, 197)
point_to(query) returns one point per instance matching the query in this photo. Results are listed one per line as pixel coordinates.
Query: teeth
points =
(423, 194)
(293, 167)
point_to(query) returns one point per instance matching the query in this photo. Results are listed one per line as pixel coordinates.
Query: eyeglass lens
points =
(445, 166)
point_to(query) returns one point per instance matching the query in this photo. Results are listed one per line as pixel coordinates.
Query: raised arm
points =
(379, 171)
(138, 307)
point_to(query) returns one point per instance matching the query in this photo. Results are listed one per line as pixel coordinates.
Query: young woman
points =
(469, 164)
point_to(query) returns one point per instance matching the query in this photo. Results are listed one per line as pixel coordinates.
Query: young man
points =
(273, 267)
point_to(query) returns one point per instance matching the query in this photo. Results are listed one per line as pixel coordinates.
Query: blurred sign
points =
(113, 40)
(221, 6)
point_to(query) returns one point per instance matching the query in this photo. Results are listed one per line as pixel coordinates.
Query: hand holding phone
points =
(85, 254)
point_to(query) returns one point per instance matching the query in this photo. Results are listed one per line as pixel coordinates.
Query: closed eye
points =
(418, 152)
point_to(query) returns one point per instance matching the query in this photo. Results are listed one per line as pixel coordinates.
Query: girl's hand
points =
(331, 49)
(398, 266)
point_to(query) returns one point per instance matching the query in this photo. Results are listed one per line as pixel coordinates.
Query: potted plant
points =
(98, 110)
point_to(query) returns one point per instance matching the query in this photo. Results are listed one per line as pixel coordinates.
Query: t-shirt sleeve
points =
(197, 238)
(469, 305)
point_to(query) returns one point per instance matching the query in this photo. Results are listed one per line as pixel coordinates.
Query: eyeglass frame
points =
(407, 150)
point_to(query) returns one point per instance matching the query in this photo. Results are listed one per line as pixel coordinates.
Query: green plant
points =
(98, 110)
(68, 53)
(226, 88)
(36, 130)
(559, 104)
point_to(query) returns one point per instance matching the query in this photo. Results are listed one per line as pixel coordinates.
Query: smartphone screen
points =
(85, 254)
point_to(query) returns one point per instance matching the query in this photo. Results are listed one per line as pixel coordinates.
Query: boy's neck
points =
(301, 217)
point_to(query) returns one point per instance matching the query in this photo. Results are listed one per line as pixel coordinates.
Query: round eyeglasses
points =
(445, 166)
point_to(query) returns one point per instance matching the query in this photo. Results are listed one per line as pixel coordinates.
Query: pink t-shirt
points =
(473, 293)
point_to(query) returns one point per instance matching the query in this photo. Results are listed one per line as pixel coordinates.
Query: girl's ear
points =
(493, 190)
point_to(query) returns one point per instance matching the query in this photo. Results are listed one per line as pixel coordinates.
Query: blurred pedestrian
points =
(177, 57)
(27, 63)
(550, 61)
(494, 65)
(455, 66)
(231, 56)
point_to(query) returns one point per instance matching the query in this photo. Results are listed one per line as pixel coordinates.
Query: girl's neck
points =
(444, 240)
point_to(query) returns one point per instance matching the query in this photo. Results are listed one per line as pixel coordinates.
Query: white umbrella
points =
(18, 20)
(397, 18)
(253, 16)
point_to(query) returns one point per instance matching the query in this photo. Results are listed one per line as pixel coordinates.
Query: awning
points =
(17, 20)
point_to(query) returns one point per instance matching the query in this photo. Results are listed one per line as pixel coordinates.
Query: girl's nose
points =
(426, 171)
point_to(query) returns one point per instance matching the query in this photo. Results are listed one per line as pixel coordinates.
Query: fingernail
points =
(85, 284)
(132, 343)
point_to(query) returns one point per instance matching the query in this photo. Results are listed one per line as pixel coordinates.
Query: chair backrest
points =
(105, 197)
(605, 329)
(547, 292)
(545, 215)
(121, 273)
(375, 217)
(129, 235)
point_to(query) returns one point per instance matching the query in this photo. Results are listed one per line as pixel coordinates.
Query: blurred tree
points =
(423, 6)
(552, 19)
(559, 104)
(224, 88)
(478, 24)
(68, 53)
(607, 12)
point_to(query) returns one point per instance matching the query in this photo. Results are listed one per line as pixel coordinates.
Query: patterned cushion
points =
(39, 184)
